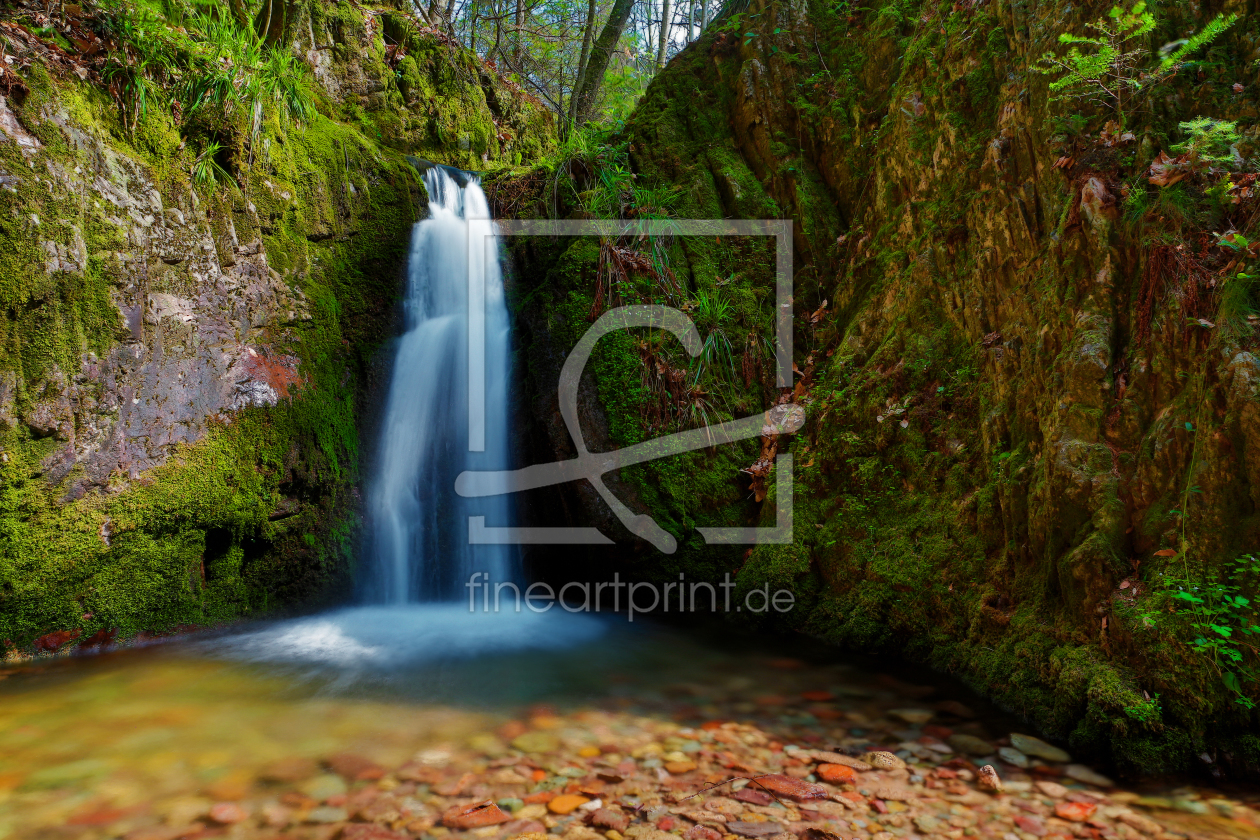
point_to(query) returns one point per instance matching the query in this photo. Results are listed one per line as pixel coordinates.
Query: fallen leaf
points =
(1238, 88)
(1166, 552)
(796, 789)
(1166, 171)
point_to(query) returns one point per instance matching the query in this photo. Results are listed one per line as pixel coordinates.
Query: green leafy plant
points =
(1106, 68)
(207, 171)
(1210, 142)
(1217, 617)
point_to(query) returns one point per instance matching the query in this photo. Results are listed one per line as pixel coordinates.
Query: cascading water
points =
(442, 398)
(421, 544)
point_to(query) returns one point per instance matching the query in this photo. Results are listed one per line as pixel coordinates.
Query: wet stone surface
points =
(779, 749)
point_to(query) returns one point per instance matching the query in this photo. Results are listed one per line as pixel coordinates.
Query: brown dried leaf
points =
(1166, 171)
(797, 789)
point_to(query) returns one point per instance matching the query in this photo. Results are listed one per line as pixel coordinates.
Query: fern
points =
(1104, 68)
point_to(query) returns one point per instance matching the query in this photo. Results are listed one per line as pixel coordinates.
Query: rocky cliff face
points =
(184, 367)
(1028, 368)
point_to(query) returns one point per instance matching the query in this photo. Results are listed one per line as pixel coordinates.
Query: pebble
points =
(1075, 811)
(536, 742)
(1013, 757)
(1054, 790)
(566, 803)
(322, 787)
(970, 744)
(1029, 745)
(327, 814)
(884, 761)
(989, 780)
(836, 773)
(227, 813)
(914, 717)
(754, 829)
(1081, 773)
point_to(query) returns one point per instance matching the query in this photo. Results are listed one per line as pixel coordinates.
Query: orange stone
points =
(539, 798)
(1075, 811)
(566, 803)
(835, 773)
(226, 813)
(465, 817)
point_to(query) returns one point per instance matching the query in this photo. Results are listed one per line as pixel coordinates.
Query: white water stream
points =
(447, 398)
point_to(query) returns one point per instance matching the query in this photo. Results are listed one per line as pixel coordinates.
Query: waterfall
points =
(435, 414)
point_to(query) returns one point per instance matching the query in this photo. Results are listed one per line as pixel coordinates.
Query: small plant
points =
(1108, 72)
(207, 171)
(1210, 142)
(1220, 619)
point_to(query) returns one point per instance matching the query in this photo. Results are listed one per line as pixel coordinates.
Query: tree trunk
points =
(664, 34)
(520, 38)
(274, 20)
(587, 35)
(601, 54)
(704, 15)
(239, 13)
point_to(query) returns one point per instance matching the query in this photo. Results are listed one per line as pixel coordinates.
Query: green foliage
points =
(1210, 141)
(207, 171)
(231, 68)
(1108, 72)
(1217, 618)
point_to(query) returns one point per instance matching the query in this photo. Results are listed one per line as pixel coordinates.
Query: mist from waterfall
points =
(420, 547)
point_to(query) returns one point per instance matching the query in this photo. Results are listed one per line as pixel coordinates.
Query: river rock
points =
(836, 773)
(227, 813)
(914, 717)
(989, 780)
(370, 831)
(327, 814)
(754, 829)
(1081, 773)
(1075, 811)
(609, 819)
(969, 744)
(536, 742)
(1054, 790)
(702, 832)
(1029, 745)
(881, 760)
(566, 803)
(322, 787)
(477, 815)
(289, 770)
(355, 768)
(1013, 757)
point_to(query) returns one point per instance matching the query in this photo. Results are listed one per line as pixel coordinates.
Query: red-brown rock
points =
(836, 773)
(478, 815)
(702, 832)
(355, 768)
(370, 831)
(1075, 811)
(227, 813)
(607, 818)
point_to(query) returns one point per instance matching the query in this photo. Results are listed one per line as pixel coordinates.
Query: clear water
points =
(444, 414)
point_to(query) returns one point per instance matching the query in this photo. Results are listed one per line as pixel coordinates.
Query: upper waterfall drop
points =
(444, 414)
